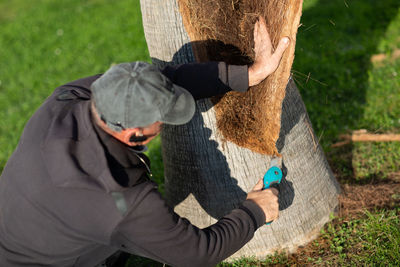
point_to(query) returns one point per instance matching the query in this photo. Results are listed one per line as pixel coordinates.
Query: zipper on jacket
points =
(145, 164)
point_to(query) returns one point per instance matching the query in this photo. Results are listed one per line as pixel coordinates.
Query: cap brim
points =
(183, 109)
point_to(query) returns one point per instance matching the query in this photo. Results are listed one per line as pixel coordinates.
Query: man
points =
(76, 189)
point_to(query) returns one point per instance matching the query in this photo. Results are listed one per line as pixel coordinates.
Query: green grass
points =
(345, 90)
(157, 167)
(372, 240)
(375, 160)
(382, 109)
(342, 89)
(47, 43)
(54, 42)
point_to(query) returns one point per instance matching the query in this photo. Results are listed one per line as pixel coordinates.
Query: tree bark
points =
(206, 177)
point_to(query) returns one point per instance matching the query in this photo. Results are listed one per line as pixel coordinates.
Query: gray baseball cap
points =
(137, 94)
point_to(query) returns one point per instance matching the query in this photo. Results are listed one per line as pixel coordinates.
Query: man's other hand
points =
(266, 59)
(267, 199)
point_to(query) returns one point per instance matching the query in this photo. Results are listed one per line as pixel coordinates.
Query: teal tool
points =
(273, 175)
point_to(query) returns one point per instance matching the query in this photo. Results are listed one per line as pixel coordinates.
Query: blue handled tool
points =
(273, 175)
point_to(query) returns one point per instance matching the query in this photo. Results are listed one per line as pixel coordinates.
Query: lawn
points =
(49, 43)
(347, 67)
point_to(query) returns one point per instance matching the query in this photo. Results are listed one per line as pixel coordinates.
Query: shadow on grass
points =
(365, 163)
(334, 47)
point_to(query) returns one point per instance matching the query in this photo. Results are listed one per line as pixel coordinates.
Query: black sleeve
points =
(151, 229)
(204, 80)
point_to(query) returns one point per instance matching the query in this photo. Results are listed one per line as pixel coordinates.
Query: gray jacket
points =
(70, 195)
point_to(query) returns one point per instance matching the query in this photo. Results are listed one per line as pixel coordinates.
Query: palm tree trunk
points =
(206, 176)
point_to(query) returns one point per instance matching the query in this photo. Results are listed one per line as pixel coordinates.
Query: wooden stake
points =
(364, 136)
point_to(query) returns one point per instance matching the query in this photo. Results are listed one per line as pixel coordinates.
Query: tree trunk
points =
(206, 176)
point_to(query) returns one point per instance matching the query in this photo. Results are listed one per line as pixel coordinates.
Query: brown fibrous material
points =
(222, 30)
(355, 199)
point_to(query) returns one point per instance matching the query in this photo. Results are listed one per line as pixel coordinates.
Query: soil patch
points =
(355, 199)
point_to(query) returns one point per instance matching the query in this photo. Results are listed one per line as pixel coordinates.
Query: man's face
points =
(131, 136)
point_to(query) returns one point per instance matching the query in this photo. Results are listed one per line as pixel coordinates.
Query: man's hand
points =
(267, 199)
(266, 60)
